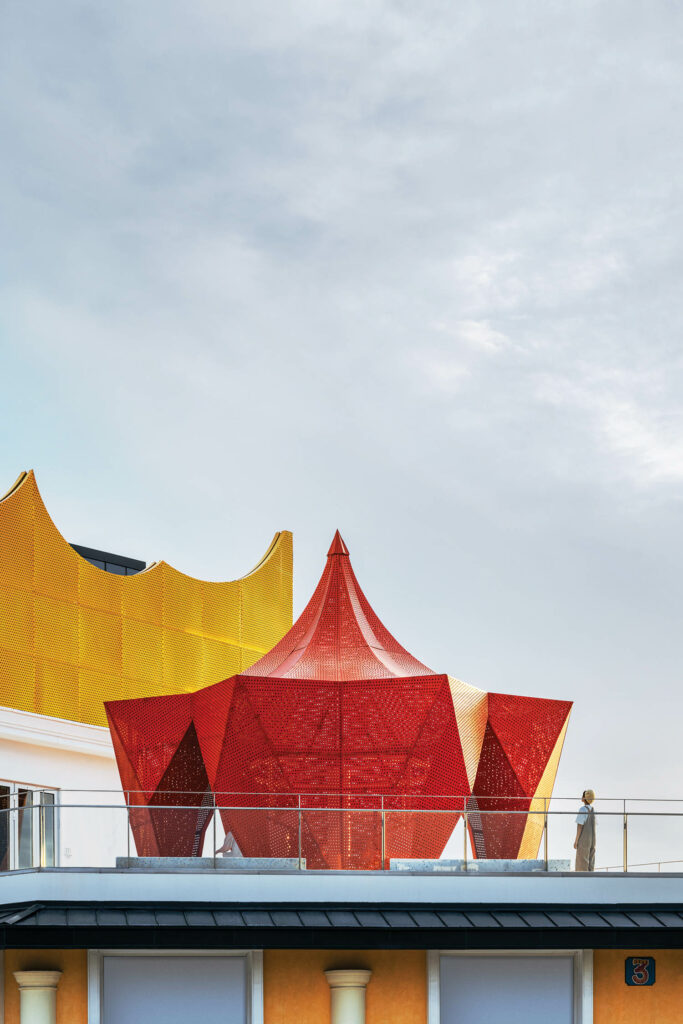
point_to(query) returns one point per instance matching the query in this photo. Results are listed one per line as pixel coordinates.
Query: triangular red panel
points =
(527, 729)
(520, 736)
(495, 833)
(134, 726)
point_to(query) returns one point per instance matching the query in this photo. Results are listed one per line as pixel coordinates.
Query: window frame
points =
(253, 957)
(36, 816)
(583, 976)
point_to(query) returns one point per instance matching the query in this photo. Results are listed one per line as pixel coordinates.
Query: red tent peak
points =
(338, 547)
(338, 636)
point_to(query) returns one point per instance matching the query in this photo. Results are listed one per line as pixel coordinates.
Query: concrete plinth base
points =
(479, 866)
(209, 863)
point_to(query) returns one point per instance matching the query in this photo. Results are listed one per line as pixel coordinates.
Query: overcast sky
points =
(409, 270)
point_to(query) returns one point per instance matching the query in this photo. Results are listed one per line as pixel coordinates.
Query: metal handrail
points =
(336, 807)
(576, 798)
(381, 810)
(643, 864)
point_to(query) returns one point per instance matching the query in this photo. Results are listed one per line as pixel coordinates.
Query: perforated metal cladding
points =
(343, 741)
(338, 635)
(517, 751)
(73, 635)
(338, 744)
(339, 727)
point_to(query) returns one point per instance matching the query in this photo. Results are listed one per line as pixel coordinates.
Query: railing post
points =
(545, 831)
(300, 832)
(464, 836)
(214, 816)
(384, 836)
(625, 839)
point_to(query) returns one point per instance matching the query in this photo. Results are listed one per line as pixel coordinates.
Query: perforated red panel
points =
(334, 731)
(520, 735)
(158, 767)
(343, 741)
(338, 635)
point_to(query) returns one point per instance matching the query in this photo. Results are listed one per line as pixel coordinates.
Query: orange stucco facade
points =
(615, 1002)
(72, 993)
(296, 990)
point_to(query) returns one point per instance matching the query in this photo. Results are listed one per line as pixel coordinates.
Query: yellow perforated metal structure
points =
(73, 635)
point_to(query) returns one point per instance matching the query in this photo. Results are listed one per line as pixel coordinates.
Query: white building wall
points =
(74, 759)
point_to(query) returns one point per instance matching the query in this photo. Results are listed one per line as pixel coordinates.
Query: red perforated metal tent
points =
(337, 745)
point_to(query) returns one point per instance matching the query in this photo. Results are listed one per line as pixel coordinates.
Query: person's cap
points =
(588, 796)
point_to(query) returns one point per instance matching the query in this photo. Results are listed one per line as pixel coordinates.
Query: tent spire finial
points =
(338, 547)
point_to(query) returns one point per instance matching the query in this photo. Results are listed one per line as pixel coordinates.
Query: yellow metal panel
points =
(142, 596)
(55, 563)
(56, 689)
(73, 636)
(143, 651)
(183, 601)
(101, 643)
(533, 831)
(140, 688)
(56, 629)
(471, 707)
(183, 658)
(90, 686)
(16, 535)
(221, 619)
(16, 620)
(98, 589)
(220, 661)
(18, 680)
(263, 594)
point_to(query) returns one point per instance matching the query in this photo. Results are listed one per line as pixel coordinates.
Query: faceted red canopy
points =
(340, 720)
(338, 636)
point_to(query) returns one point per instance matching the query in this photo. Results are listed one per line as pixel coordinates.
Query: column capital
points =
(37, 979)
(355, 978)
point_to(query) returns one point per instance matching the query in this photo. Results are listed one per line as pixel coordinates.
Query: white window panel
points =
(137, 990)
(510, 987)
(139, 986)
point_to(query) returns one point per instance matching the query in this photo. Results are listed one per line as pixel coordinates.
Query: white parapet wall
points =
(77, 762)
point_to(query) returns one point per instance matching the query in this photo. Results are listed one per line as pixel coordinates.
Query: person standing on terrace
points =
(584, 844)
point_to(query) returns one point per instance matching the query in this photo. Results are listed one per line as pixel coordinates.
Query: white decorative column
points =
(347, 993)
(38, 996)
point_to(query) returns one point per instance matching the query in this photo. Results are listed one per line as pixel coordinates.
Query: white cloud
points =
(477, 334)
(443, 373)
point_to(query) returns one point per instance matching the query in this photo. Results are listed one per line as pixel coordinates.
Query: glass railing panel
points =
(91, 835)
(655, 838)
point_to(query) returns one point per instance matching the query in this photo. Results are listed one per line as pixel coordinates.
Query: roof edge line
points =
(15, 486)
(155, 566)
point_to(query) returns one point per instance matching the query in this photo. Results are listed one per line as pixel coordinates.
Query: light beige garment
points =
(585, 850)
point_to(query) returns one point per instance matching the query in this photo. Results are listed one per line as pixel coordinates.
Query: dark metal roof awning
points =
(307, 926)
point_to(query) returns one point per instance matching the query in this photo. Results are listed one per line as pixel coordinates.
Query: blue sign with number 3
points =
(640, 970)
